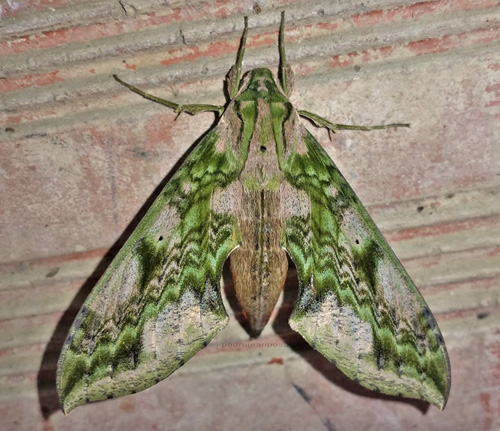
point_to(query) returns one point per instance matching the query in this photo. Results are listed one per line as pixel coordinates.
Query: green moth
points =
(257, 187)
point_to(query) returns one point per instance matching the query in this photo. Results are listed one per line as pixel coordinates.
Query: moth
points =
(257, 187)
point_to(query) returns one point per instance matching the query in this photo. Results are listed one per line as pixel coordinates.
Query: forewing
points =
(159, 301)
(357, 305)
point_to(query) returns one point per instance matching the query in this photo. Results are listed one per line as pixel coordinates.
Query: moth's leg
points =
(234, 75)
(285, 73)
(189, 109)
(323, 122)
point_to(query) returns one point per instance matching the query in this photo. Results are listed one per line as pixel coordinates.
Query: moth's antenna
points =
(283, 66)
(235, 72)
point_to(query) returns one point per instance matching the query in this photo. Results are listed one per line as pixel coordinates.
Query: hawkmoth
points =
(257, 187)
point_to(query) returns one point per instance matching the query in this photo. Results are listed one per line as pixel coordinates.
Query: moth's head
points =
(260, 84)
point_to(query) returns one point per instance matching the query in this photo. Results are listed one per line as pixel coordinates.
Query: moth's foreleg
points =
(188, 109)
(319, 121)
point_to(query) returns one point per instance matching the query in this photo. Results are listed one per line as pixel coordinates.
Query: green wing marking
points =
(159, 301)
(357, 305)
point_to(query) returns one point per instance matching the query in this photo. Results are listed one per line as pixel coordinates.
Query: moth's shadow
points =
(46, 377)
(315, 359)
(230, 295)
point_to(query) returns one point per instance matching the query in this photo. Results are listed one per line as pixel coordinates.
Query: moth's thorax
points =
(261, 111)
(261, 169)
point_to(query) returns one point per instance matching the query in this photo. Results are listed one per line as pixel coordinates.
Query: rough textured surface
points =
(81, 159)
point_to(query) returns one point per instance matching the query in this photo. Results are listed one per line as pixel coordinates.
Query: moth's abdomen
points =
(259, 266)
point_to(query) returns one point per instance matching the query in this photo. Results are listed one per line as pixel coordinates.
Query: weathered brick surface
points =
(81, 158)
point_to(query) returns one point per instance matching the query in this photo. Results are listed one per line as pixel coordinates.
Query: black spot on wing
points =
(429, 318)
(439, 340)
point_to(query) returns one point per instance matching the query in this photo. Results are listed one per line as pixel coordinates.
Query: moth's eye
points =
(263, 148)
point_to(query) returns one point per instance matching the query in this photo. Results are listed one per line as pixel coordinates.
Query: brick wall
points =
(81, 158)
